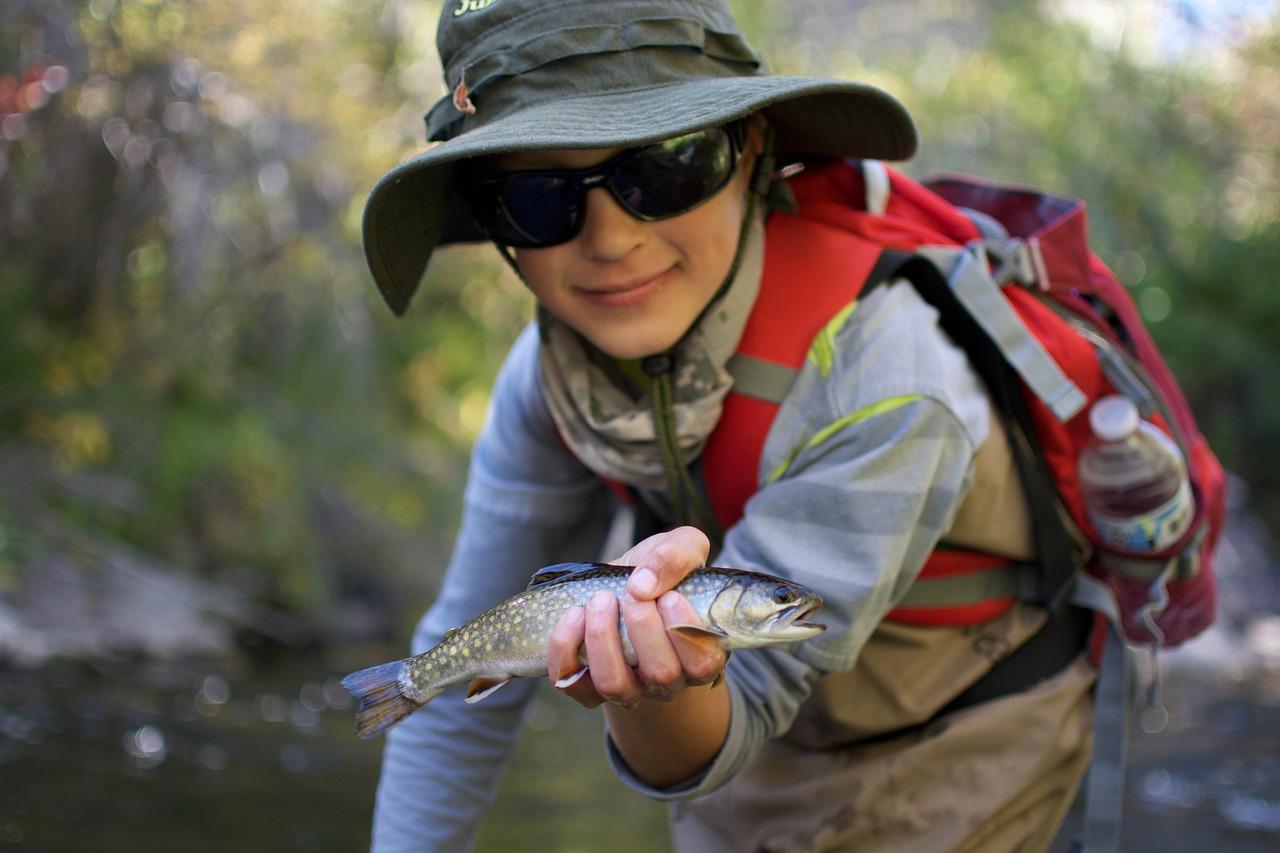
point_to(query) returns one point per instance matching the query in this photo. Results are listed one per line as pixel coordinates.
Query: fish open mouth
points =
(798, 616)
(802, 619)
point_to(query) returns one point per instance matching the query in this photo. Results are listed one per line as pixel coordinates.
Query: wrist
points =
(665, 743)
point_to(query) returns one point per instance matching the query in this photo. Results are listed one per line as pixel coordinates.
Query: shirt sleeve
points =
(528, 503)
(863, 471)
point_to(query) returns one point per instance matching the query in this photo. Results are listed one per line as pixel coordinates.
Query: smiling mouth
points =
(622, 288)
(625, 291)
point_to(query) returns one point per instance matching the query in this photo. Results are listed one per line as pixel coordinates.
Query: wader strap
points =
(1051, 650)
(1013, 580)
(1104, 786)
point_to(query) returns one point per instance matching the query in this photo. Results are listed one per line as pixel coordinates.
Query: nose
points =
(609, 233)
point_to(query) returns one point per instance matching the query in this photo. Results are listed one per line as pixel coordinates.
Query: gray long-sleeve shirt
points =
(864, 468)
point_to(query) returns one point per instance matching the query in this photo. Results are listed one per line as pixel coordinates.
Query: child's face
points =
(631, 287)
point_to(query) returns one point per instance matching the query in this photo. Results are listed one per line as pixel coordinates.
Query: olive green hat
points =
(547, 74)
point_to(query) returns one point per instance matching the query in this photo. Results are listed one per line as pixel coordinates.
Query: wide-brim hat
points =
(553, 74)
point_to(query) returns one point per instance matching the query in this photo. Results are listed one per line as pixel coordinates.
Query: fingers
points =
(701, 661)
(563, 658)
(665, 663)
(663, 560)
(611, 675)
(658, 665)
(592, 630)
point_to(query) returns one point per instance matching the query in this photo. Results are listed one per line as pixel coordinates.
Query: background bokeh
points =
(222, 458)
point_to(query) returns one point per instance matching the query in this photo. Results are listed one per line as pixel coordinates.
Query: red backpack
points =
(1050, 330)
(1011, 273)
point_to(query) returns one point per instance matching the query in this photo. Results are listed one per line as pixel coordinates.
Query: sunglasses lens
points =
(536, 210)
(675, 175)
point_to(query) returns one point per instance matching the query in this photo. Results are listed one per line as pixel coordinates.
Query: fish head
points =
(762, 611)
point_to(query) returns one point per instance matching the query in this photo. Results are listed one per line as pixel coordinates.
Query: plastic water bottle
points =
(1134, 480)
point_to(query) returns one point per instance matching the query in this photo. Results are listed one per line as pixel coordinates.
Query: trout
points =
(738, 609)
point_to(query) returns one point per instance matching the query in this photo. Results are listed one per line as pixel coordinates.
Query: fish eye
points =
(783, 595)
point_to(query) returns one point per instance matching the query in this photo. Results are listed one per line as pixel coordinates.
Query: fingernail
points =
(659, 691)
(643, 582)
(600, 601)
(570, 679)
(574, 616)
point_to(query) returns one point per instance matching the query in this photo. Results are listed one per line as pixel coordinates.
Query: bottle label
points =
(1150, 532)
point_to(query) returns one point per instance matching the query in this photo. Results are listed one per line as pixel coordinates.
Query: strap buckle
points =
(967, 273)
(1015, 259)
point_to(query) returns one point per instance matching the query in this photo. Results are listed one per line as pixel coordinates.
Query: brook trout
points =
(738, 609)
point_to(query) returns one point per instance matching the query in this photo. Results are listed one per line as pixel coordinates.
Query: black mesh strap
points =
(1054, 545)
(1066, 632)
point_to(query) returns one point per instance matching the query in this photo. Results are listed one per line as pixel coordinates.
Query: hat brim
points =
(411, 210)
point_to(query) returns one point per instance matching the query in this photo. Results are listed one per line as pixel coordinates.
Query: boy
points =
(623, 156)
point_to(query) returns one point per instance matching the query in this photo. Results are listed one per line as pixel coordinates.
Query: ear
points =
(752, 149)
(756, 126)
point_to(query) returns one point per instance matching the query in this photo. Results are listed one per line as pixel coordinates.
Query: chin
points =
(636, 347)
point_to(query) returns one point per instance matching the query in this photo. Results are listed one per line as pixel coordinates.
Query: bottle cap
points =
(1113, 418)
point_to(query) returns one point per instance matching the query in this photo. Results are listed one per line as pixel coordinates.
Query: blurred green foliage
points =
(185, 314)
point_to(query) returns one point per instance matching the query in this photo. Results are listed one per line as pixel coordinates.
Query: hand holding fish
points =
(666, 660)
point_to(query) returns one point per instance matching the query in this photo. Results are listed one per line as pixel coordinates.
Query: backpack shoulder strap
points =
(855, 222)
(812, 271)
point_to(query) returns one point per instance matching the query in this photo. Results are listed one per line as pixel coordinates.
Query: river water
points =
(231, 756)
(260, 757)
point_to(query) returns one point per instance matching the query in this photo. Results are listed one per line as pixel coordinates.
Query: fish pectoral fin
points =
(697, 632)
(699, 635)
(571, 679)
(479, 688)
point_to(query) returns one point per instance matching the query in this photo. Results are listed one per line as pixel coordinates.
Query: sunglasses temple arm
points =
(763, 175)
(510, 258)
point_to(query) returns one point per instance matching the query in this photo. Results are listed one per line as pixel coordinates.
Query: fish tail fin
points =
(381, 695)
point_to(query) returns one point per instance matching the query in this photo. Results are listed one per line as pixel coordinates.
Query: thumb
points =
(671, 558)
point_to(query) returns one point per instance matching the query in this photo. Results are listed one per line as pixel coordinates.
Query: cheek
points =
(708, 236)
(542, 269)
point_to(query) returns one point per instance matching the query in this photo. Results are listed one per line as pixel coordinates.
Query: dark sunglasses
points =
(529, 210)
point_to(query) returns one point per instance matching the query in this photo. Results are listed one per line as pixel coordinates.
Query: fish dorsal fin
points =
(565, 571)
